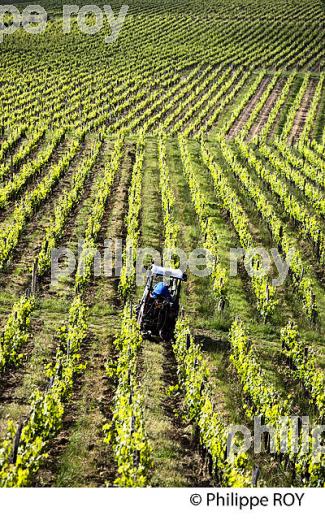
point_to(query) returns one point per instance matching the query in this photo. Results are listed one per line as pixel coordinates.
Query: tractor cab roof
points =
(171, 273)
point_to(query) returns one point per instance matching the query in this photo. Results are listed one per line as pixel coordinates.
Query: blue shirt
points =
(161, 290)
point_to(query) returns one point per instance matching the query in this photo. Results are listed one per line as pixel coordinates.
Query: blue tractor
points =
(158, 309)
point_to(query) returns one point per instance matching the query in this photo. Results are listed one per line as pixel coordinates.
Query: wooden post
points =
(34, 278)
(14, 454)
(256, 473)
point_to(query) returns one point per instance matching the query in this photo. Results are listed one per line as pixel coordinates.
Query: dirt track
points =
(244, 116)
(302, 113)
(265, 112)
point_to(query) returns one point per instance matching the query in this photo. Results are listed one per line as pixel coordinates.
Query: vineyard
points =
(201, 126)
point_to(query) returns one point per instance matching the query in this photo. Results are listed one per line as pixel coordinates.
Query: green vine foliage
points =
(193, 377)
(94, 223)
(47, 408)
(262, 399)
(305, 370)
(126, 432)
(15, 333)
(128, 273)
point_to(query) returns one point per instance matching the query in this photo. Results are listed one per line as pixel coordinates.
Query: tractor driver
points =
(161, 290)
